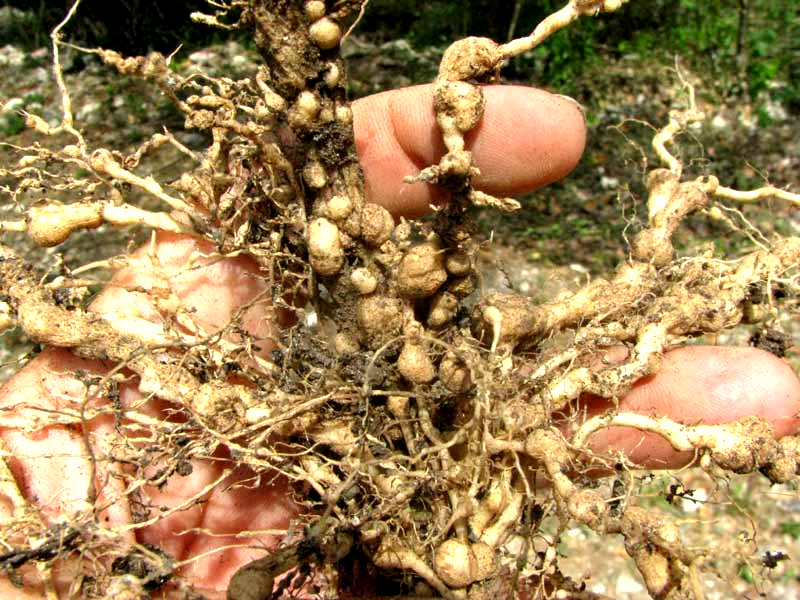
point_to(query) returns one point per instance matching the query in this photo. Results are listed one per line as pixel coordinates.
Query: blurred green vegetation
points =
(744, 47)
(791, 528)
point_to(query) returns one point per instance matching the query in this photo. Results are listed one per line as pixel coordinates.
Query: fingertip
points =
(396, 136)
(526, 139)
(211, 289)
(712, 384)
(706, 385)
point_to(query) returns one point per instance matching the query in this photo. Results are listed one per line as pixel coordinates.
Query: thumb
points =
(703, 385)
(526, 139)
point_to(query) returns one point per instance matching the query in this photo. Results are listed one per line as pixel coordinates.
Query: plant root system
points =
(427, 428)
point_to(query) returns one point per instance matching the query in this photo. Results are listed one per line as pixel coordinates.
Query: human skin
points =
(395, 138)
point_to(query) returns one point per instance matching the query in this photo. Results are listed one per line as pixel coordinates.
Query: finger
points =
(52, 467)
(177, 273)
(527, 138)
(45, 456)
(704, 385)
(204, 526)
(224, 529)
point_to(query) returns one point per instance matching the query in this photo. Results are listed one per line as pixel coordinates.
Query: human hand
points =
(394, 138)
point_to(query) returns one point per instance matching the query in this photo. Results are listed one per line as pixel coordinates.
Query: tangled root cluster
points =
(426, 426)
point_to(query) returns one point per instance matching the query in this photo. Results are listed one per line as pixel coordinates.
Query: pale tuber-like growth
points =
(325, 247)
(50, 223)
(325, 33)
(421, 271)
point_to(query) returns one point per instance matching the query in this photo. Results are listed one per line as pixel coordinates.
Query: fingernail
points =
(577, 104)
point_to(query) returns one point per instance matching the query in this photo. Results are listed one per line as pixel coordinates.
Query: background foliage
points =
(758, 40)
(746, 47)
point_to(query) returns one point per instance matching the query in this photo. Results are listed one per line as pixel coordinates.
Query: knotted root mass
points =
(421, 422)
